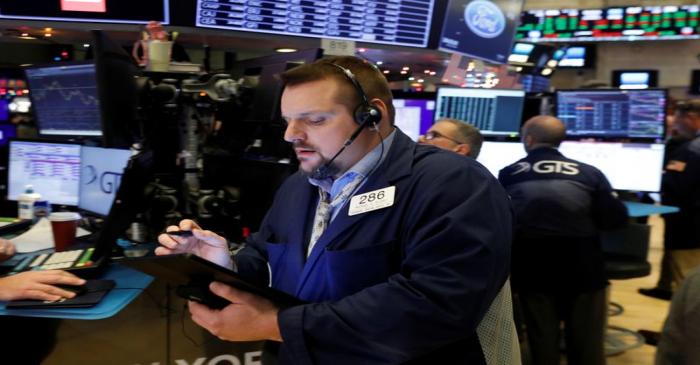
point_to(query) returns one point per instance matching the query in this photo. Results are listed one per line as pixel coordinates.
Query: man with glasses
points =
(454, 135)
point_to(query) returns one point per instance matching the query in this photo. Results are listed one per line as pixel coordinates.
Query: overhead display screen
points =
(99, 11)
(480, 28)
(399, 22)
(610, 24)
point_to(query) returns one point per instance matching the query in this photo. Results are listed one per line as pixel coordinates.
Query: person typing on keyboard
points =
(39, 285)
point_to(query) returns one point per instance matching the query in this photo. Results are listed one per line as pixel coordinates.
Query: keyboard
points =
(56, 261)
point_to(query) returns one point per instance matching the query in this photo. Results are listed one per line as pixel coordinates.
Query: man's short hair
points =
(468, 134)
(372, 81)
(688, 106)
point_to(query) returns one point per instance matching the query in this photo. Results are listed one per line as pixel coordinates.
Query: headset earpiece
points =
(367, 114)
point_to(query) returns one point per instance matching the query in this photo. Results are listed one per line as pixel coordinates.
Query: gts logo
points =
(548, 167)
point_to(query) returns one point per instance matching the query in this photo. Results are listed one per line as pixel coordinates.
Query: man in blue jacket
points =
(399, 249)
(560, 207)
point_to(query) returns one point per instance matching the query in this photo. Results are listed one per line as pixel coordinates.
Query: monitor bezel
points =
(80, 184)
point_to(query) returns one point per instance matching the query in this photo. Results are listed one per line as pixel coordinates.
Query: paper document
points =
(39, 237)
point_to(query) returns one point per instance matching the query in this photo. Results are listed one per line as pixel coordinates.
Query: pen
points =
(180, 233)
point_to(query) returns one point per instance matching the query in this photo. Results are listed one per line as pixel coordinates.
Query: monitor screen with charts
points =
(101, 171)
(493, 111)
(610, 113)
(628, 166)
(53, 169)
(65, 99)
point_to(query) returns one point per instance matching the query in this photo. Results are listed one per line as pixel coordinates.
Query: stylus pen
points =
(180, 233)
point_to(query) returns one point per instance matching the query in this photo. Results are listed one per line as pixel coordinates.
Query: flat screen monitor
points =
(4, 110)
(610, 24)
(694, 82)
(65, 99)
(582, 56)
(497, 155)
(7, 132)
(521, 52)
(628, 166)
(397, 22)
(101, 171)
(493, 111)
(610, 113)
(97, 11)
(415, 112)
(479, 28)
(634, 79)
(53, 169)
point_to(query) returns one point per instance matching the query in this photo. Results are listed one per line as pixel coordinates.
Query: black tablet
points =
(192, 274)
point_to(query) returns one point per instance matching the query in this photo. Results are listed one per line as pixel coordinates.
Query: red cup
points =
(64, 226)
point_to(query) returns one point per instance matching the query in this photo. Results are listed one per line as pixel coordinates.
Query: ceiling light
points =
(386, 71)
(47, 35)
(432, 73)
(379, 63)
(411, 78)
(25, 34)
(426, 71)
(405, 68)
(48, 29)
(403, 72)
(285, 50)
(421, 80)
(362, 50)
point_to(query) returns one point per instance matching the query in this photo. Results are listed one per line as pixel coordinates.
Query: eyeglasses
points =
(433, 134)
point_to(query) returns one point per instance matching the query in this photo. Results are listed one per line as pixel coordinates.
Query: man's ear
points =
(462, 149)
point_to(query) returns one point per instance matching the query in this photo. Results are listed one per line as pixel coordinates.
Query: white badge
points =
(372, 200)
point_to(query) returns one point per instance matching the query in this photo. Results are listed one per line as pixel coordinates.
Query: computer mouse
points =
(77, 289)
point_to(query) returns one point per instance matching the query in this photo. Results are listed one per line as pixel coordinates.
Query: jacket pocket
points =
(350, 271)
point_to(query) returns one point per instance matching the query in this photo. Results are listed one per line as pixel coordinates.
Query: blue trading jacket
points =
(404, 284)
(561, 205)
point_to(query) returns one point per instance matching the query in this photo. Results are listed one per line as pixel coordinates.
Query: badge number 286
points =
(372, 200)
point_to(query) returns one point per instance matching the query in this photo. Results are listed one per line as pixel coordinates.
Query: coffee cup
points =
(64, 226)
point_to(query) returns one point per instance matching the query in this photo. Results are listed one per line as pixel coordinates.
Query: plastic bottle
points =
(25, 203)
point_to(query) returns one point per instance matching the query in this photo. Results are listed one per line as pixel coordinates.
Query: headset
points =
(364, 115)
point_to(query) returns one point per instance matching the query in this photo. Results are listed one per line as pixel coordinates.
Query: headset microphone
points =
(364, 114)
(327, 169)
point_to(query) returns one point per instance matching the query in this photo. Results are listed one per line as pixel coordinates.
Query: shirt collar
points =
(363, 168)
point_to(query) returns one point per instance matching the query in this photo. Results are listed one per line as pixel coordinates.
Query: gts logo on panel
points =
(548, 167)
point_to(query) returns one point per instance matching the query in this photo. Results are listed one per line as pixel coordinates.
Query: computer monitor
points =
(493, 111)
(4, 110)
(7, 132)
(635, 79)
(610, 113)
(497, 155)
(53, 169)
(580, 56)
(101, 171)
(65, 101)
(628, 166)
(415, 112)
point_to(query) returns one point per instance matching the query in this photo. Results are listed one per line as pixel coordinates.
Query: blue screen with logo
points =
(480, 28)
(101, 172)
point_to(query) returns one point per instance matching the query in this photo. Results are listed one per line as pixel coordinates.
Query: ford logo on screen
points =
(485, 19)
